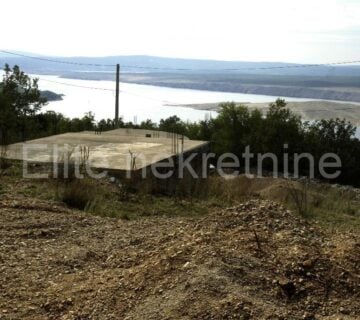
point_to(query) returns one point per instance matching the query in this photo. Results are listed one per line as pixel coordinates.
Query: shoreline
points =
(308, 110)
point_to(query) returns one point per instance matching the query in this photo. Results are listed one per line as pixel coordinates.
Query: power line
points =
(90, 64)
(292, 66)
(330, 64)
(174, 103)
(111, 90)
(106, 89)
(164, 68)
(161, 100)
(75, 85)
(58, 61)
(298, 66)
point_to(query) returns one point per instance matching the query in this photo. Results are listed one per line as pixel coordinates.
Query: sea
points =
(136, 102)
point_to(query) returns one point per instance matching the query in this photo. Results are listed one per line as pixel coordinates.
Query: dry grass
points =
(79, 194)
(299, 194)
(228, 191)
(332, 207)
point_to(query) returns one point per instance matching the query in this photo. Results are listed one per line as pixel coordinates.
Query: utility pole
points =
(117, 95)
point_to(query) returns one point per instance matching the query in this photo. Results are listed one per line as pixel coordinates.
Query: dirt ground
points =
(253, 261)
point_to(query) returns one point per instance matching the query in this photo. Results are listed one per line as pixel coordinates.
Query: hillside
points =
(263, 78)
(252, 260)
(328, 87)
(143, 63)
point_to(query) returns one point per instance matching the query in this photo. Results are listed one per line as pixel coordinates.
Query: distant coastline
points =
(308, 110)
(337, 83)
(307, 87)
(238, 85)
(51, 96)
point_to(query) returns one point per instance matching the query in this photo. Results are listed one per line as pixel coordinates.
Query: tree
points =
(21, 97)
(173, 124)
(148, 125)
(282, 128)
(88, 121)
(7, 120)
(335, 136)
(231, 129)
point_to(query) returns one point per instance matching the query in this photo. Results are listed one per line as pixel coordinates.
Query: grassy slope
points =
(331, 207)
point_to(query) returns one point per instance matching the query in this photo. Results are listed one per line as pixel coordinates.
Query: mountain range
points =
(332, 82)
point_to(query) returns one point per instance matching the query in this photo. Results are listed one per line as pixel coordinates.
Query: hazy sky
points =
(254, 30)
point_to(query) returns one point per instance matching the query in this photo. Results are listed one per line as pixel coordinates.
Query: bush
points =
(79, 194)
(299, 194)
(4, 162)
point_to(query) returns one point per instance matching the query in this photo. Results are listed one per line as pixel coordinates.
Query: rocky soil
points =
(253, 261)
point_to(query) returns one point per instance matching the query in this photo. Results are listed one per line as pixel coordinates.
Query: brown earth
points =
(253, 261)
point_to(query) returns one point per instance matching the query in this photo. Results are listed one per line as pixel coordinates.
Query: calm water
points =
(137, 102)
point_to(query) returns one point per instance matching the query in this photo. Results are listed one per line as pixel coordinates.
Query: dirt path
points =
(254, 261)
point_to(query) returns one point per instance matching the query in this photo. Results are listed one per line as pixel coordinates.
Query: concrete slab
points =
(109, 150)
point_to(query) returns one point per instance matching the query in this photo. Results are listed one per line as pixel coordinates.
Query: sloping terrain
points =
(328, 87)
(253, 261)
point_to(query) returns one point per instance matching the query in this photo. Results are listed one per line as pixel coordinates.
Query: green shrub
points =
(79, 194)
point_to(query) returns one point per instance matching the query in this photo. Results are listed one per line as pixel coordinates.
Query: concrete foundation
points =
(117, 151)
